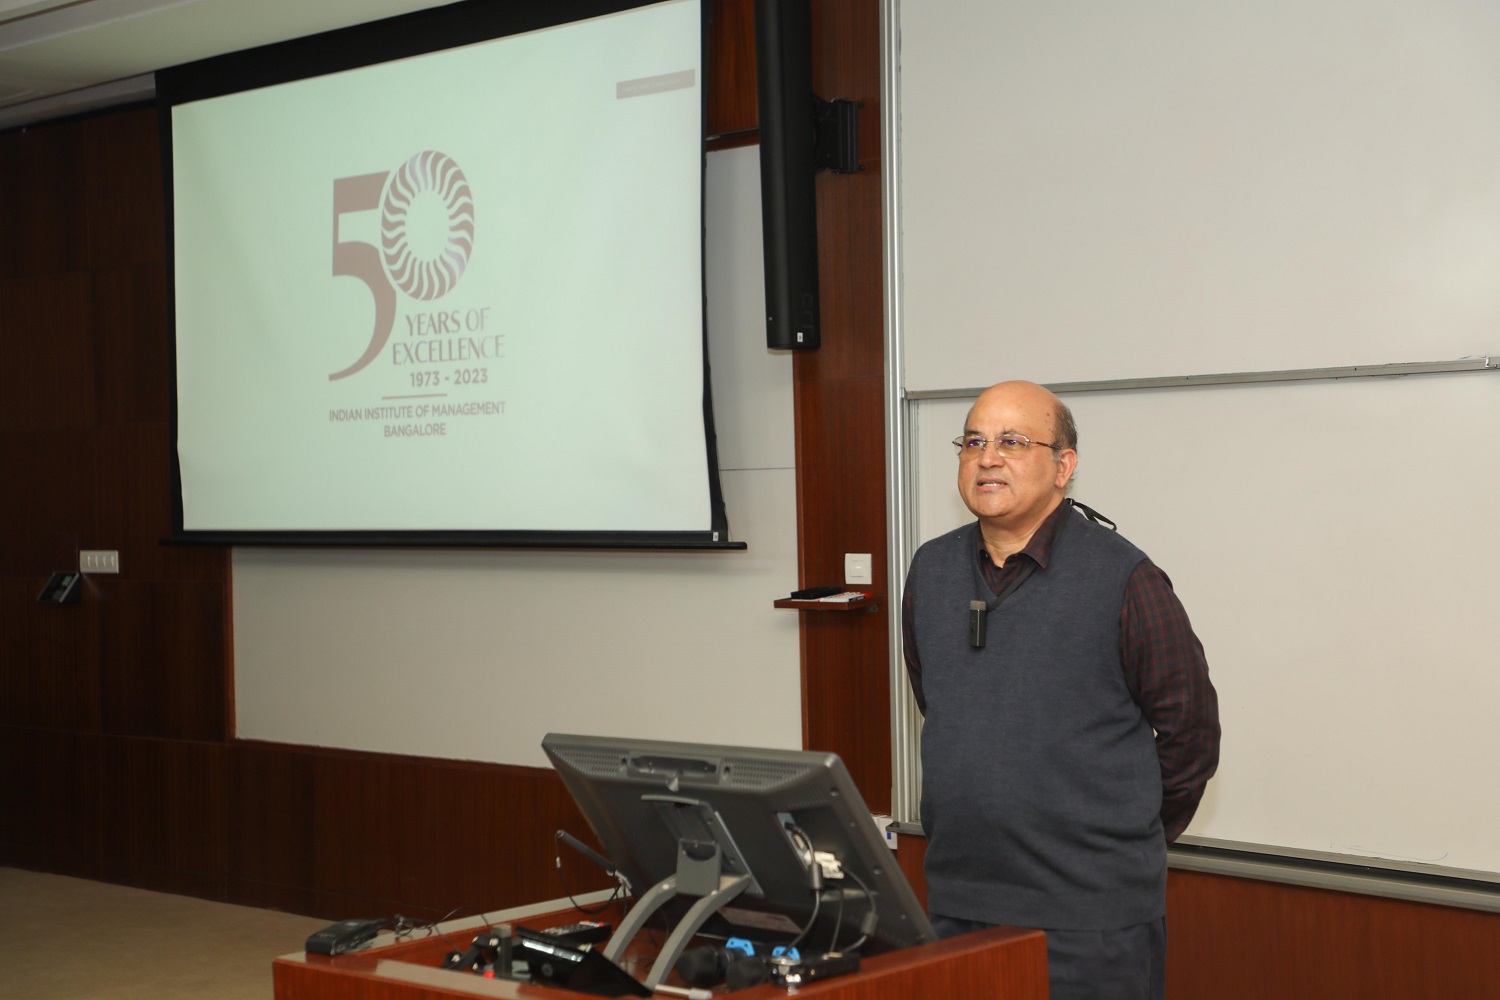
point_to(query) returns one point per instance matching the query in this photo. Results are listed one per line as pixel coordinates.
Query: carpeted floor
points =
(71, 939)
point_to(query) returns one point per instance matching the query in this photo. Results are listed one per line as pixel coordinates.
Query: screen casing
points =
(753, 794)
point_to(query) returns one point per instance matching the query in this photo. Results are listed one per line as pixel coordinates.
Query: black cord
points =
(817, 903)
(406, 926)
(815, 876)
(815, 879)
(838, 922)
(872, 918)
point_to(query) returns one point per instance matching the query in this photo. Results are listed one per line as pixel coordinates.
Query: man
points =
(1070, 725)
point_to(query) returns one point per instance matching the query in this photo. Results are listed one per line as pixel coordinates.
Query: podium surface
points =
(1002, 963)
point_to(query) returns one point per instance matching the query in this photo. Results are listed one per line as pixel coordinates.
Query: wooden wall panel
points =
(849, 278)
(841, 508)
(731, 102)
(846, 64)
(132, 344)
(49, 665)
(43, 199)
(841, 476)
(164, 808)
(911, 854)
(271, 808)
(49, 801)
(161, 659)
(121, 173)
(846, 57)
(45, 322)
(46, 501)
(357, 849)
(846, 685)
(427, 836)
(1235, 939)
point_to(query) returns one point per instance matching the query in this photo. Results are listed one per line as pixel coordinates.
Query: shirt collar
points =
(1039, 549)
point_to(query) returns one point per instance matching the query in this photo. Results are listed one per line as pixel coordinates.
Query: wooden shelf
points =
(858, 604)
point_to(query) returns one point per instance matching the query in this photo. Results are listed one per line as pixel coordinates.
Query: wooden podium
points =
(1002, 963)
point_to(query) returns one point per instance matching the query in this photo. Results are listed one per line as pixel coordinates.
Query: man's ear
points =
(1067, 463)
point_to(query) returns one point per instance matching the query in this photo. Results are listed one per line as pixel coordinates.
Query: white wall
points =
(477, 654)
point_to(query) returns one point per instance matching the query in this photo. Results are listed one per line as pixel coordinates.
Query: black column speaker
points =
(788, 165)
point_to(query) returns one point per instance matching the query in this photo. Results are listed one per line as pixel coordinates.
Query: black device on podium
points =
(553, 959)
(344, 936)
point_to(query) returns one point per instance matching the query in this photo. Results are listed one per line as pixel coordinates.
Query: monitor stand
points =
(702, 877)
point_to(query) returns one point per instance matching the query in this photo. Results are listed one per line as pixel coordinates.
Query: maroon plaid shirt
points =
(1164, 669)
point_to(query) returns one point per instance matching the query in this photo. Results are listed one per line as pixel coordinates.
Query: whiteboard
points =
(1094, 190)
(476, 655)
(1329, 541)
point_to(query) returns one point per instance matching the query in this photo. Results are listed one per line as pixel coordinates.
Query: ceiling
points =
(61, 57)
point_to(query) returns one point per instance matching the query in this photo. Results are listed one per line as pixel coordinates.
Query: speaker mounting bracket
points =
(837, 126)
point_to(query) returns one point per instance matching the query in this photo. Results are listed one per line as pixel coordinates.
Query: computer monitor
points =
(774, 846)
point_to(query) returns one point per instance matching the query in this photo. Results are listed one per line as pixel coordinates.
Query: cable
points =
(838, 922)
(872, 918)
(815, 880)
(406, 926)
(817, 903)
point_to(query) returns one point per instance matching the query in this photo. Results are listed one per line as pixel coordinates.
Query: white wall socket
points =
(99, 560)
(857, 568)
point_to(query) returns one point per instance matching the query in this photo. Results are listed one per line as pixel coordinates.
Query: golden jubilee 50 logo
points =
(426, 238)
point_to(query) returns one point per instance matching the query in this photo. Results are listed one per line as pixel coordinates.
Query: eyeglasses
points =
(972, 446)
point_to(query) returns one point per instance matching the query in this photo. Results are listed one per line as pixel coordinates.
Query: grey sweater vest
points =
(1041, 791)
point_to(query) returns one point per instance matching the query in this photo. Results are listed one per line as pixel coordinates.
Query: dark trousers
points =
(1125, 964)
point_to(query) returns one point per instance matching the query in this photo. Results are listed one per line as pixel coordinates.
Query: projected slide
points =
(457, 291)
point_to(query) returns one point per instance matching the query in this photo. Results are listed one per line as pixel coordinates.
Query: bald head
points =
(1031, 398)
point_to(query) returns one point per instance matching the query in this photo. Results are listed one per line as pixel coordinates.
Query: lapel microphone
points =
(978, 612)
